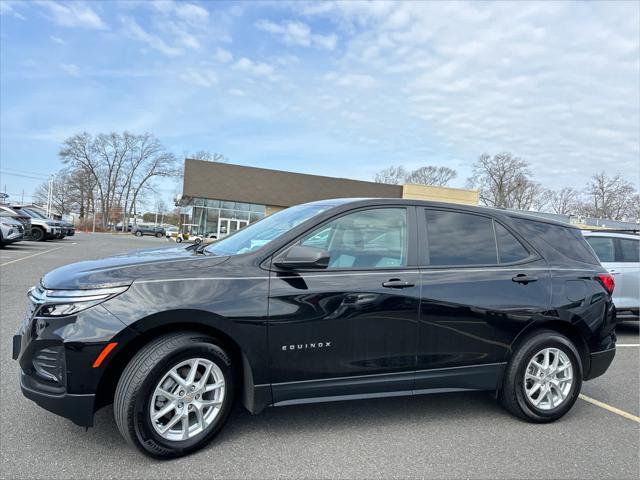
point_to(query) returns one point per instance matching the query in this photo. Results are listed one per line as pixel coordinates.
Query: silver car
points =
(620, 254)
(11, 230)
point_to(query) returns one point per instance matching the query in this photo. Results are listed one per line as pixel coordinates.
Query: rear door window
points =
(455, 238)
(629, 250)
(604, 248)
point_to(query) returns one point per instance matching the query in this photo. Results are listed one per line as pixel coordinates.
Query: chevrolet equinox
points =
(332, 300)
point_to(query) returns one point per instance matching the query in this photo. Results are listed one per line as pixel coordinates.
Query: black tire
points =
(159, 235)
(178, 239)
(139, 379)
(138, 233)
(37, 234)
(198, 241)
(513, 395)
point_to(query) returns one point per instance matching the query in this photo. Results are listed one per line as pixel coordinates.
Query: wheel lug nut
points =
(197, 396)
(181, 392)
(193, 387)
(190, 407)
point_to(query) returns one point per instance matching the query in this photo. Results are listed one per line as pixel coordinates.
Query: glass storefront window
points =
(220, 217)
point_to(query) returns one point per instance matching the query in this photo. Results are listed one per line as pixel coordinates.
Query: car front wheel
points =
(138, 233)
(175, 395)
(543, 378)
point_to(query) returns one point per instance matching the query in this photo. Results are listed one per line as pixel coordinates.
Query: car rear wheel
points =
(37, 234)
(159, 235)
(175, 395)
(543, 378)
(138, 233)
(178, 239)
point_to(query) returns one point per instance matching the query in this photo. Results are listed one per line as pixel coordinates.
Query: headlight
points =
(57, 303)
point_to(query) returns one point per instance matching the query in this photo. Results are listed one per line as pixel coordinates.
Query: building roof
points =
(226, 181)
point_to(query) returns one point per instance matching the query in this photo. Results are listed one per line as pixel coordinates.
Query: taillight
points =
(606, 279)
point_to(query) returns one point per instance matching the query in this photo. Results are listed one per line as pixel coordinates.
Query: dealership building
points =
(221, 198)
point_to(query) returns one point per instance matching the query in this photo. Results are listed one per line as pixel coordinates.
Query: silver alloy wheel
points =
(187, 399)
(548, 378)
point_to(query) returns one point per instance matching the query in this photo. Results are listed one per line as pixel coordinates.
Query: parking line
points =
(30, 256)
(628, 345)
(610, 408)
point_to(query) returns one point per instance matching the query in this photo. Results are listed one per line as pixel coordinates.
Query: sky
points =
(334, 88)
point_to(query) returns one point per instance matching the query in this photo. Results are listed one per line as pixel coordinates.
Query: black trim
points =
(600, 362)
(77, 408)
(453, 379)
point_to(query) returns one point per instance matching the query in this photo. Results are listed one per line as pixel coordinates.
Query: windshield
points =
(35, 214)
(261, 233)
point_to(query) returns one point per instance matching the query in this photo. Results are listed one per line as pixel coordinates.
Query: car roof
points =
(605, 233)
(357, 202)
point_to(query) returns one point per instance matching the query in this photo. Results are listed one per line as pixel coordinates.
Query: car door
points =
(626, 294)
(349, 329)
(480, 287)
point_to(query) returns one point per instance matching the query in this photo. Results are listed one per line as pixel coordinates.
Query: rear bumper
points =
(600, 362)
(77, 408)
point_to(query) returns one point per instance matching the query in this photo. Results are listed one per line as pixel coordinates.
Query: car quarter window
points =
(456, 238)
(366, 239)
(629, 250)
(604, 248)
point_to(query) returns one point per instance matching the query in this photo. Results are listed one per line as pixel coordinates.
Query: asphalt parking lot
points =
(437, 436)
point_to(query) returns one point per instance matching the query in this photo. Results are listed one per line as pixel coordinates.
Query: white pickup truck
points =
(619, 252)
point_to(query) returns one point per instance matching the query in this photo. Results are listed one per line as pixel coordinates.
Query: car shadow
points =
(335, 416)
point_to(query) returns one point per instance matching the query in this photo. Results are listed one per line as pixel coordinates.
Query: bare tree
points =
(609, 197)
(564, 201)
(206, 155)
(120, 166)
(391, 175)
(430, 175)
(527, 195)
(504, 181)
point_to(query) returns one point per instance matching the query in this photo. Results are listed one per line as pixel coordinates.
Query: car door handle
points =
(397, 283)
(614, 272)
(522, 278)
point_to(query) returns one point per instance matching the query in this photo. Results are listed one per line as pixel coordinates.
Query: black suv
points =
(140, 230)
(332, 300)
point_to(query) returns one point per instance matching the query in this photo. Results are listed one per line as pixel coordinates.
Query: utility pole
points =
(93, 202)
(50, 194)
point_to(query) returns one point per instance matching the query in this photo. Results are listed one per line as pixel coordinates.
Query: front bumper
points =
(600, 362)
(78, 408)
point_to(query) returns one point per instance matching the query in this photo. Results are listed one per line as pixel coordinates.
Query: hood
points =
(121, 270)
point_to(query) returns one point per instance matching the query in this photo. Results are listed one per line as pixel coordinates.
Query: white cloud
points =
(223, 56)
(74, 14)
(549, 82)
(200, 78)
(71, 69)
(237, 92)
(259, 69)
(7, 8)
(298, 33)
(351, 79)
(136, 31)
(189, 12)
(57, 40)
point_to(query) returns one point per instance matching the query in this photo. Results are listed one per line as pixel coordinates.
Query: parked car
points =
(331, 300)
(69, 230)
(42, 228)
(5, 211)
(155, 230)
(11, 230)
(118, 227)
(619, 253)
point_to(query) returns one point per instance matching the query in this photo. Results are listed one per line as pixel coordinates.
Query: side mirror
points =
(300, 256)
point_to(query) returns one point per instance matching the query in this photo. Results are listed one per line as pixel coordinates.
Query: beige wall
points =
(440, 194)
(270, 209)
